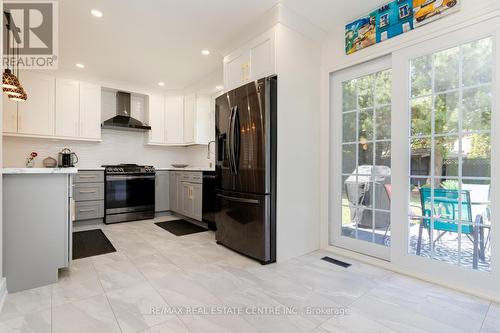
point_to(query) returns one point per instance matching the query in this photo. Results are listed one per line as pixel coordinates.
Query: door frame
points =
(335, 202)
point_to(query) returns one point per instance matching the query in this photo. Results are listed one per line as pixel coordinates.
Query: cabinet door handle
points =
(87, 192)
(86, 210)
(86, 177)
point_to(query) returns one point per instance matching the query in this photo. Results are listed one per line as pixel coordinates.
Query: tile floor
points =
(154, 271)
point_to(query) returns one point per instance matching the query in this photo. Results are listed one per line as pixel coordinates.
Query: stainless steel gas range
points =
(130, 193)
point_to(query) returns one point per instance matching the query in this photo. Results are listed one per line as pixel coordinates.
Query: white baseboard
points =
(3, 292)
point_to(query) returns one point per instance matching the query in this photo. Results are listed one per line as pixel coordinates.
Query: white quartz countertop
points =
(17, 171)
(92, 169)
(189, 168)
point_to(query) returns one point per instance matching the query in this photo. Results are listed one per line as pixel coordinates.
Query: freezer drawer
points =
(244, 224)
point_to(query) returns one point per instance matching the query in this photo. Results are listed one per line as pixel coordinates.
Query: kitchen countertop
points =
(189, 168)
(92, 169)
(17, 171)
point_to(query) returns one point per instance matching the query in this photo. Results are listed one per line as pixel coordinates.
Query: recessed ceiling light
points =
(161, 84)
(205, 52)
(96, 13)
(80, 65)
(219, 87)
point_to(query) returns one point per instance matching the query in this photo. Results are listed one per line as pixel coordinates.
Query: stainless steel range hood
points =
(123, 120)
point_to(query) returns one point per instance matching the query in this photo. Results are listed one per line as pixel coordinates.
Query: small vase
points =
(30, 163)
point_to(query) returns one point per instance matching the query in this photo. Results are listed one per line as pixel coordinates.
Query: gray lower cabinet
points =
(88, 194)
(176, 192)
(36, 229)
(197, 198)
(162, 191)
(186, 193)
(88, 191)
(172, 190)
(89, 210)
(89, 176)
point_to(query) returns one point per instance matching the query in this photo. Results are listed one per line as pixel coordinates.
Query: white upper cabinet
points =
(236, 69)
(90, 111)
(56, 108)
(67, 108)
(205, 119)
(189, 118)
(253, 61)
(174, 120)
(36, 116)
(181, 120)
(9, 115)
(137, 106)
(156, 111)
(262, 57)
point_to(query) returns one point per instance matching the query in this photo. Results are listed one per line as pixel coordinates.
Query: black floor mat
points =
(90, 243)
(180, 227)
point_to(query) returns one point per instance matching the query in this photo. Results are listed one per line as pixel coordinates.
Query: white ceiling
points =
(148, 41)
(327, 14)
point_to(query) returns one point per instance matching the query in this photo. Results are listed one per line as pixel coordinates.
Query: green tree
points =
(475, 104)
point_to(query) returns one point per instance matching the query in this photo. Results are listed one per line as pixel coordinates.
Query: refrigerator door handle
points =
(236, 139)
(242, 200)
(230, 140)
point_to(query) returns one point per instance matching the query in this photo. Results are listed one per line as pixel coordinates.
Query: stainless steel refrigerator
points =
(246, 162)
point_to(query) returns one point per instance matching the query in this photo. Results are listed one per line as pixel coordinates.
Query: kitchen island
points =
(36, 225)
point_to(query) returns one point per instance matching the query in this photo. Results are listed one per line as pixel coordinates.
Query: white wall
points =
(3, 285)
(298, 194)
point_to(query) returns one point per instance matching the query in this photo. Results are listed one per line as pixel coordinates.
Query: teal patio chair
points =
(446, 208)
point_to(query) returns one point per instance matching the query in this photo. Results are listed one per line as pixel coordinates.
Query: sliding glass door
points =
(450, 107)
(362, 219)
(413, 150)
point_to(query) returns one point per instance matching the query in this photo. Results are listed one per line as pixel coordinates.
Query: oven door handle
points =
(118, 178)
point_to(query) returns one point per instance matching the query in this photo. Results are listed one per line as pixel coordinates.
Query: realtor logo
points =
(31, 29)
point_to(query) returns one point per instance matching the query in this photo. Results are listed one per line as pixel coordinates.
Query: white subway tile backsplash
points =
(116, 147)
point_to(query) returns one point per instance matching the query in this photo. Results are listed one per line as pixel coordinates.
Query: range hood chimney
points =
(123, 120)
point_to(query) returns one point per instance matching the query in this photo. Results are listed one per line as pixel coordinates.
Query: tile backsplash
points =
(116, 147)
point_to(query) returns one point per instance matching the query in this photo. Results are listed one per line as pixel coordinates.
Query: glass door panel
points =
(450, 146)
(366, 160)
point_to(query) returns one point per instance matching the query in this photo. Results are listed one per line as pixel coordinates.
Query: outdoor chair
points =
(450, 208)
